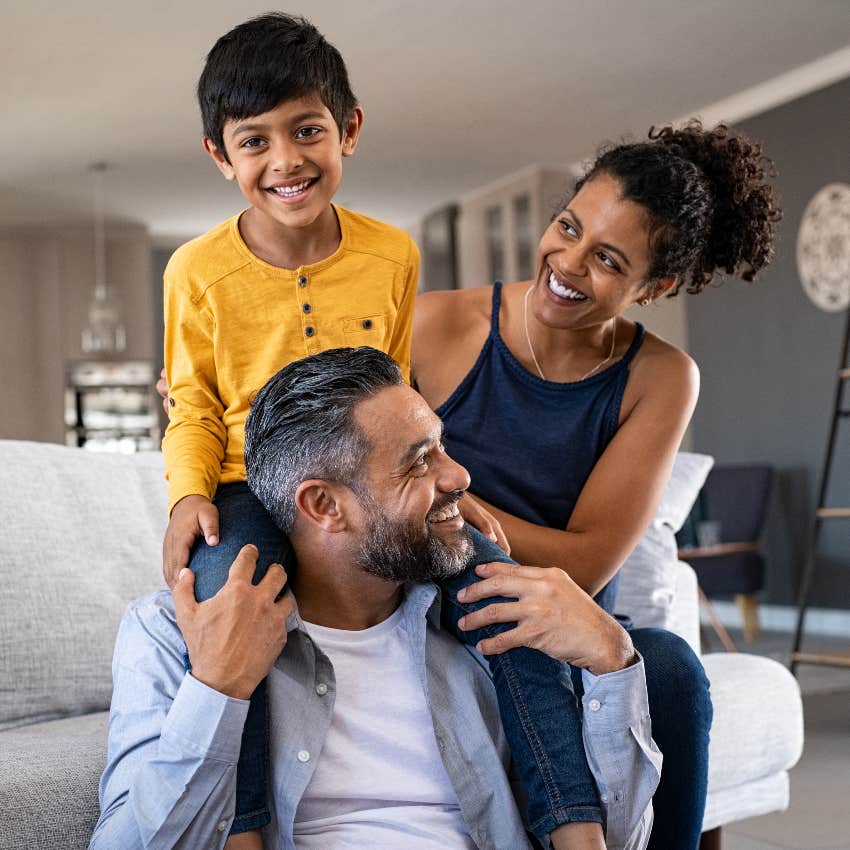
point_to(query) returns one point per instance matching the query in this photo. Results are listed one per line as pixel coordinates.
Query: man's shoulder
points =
(151, 619)
(206, 259)
(369, 236)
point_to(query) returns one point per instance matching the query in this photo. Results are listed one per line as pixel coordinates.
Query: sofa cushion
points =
(50, 772)
(648, 578)
(81, 537)
(757, 728)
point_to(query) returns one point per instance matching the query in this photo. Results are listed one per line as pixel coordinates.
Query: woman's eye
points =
(607, 261)
(567, 227)
(307, 132)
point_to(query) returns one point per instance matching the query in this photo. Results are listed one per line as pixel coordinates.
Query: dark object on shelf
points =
(840, 411)
(732, 504)
(110, 406)
(439, 249)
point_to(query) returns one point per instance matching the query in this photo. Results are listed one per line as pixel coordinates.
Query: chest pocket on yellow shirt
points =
(367, 330)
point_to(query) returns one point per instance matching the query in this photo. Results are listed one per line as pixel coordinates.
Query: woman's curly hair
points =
(706, 192)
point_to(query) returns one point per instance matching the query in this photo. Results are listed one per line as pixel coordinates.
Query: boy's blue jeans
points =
(540, 712)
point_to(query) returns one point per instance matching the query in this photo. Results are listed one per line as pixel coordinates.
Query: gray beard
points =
(399, 551)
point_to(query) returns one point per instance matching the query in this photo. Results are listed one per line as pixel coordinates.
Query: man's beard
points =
(398, 550)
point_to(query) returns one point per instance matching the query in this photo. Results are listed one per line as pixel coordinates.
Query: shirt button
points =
(221, 826)
(367, 323)
(594, 705)
(306, 308)
(303, 756)
(302, 281)
(321, 689)
(309, 330)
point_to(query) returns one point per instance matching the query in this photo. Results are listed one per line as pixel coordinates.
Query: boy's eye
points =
(253, 142)
(307, 132)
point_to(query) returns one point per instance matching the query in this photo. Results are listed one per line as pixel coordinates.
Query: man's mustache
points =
(447, 501)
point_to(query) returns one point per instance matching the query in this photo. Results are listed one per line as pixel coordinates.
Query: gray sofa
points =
(80, 537)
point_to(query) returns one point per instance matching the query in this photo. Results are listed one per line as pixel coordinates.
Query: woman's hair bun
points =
(740, 239)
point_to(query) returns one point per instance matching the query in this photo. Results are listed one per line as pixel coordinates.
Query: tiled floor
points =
(819, 814)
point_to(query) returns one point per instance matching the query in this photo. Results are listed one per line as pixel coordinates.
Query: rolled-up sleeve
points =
(622, 756)
(170, 778)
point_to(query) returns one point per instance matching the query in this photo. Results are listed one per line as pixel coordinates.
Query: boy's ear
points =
(351, 131)
(323, 503)
(219, 159)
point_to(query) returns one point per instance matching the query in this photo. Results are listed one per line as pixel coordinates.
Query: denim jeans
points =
(242, 520)
(540, 714)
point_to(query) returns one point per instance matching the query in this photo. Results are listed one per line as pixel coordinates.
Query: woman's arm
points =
(622, 494)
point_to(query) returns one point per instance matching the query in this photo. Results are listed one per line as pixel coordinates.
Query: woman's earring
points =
(644, 301)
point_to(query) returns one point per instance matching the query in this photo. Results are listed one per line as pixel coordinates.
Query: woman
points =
(568, 415)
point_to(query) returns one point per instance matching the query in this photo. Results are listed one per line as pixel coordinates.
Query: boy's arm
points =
(399, 348)
(195, 439)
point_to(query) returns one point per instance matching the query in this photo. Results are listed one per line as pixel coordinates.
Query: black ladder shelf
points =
(823, 512)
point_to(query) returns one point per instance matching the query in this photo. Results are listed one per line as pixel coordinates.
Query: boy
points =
(290, 276)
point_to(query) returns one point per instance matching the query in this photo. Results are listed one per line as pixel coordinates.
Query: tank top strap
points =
(640, 330)
(495, 307)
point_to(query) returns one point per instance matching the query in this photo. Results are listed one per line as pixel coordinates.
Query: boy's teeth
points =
(288, 191)
(564, 291)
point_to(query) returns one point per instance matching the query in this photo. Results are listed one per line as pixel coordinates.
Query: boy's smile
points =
(288, 164)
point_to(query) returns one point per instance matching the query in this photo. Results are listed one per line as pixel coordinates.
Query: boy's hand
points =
(479, 517)
(192, 516)
(162, 389)
(234, 638)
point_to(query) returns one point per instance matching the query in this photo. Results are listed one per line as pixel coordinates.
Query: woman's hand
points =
(162, 389)
(552, 614)
(479, 517)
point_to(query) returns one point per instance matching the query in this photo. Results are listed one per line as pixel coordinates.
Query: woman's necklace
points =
(596, 368)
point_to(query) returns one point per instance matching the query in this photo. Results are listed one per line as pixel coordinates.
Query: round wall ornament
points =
(823, 248)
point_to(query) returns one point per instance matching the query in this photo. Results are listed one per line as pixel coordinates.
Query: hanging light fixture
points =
(104, 333)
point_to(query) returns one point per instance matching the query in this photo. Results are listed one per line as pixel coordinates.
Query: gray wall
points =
(768, 357)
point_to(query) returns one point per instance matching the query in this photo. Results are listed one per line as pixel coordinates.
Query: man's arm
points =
(554, 615)
(174, 737)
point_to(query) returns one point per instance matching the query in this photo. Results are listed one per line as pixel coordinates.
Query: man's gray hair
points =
(302, 426)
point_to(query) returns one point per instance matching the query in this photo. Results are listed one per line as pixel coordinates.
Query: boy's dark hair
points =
(265, 61)
(302, 425)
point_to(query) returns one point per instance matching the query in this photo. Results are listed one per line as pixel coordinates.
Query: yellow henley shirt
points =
(232, 321)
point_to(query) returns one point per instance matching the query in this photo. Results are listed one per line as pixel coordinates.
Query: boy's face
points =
(287, 162)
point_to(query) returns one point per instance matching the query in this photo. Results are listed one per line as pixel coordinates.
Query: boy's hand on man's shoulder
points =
(191, 517)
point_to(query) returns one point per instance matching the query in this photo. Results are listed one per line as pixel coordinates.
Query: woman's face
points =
(593, 258)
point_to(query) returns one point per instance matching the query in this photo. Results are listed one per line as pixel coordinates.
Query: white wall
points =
(46, 280)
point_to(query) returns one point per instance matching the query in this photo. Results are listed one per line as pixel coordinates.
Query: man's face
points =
(411, 529)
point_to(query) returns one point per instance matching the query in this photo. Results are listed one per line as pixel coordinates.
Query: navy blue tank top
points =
(529, 444)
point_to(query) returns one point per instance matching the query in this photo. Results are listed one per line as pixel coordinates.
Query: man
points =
(384, 729)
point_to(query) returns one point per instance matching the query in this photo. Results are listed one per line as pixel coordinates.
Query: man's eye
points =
(307, 132)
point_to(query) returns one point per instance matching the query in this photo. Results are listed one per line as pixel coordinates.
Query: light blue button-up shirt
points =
(170, 779)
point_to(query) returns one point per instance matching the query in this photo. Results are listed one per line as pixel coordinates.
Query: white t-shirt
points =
(379, 782)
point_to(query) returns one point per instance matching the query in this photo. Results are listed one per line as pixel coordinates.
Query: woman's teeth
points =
(564, 291)
(449, 512)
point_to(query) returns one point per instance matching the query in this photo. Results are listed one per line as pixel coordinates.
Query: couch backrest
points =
(80, 536)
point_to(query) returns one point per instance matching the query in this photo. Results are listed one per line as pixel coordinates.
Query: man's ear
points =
(219, 158)
(323, 503)
(351, 131)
